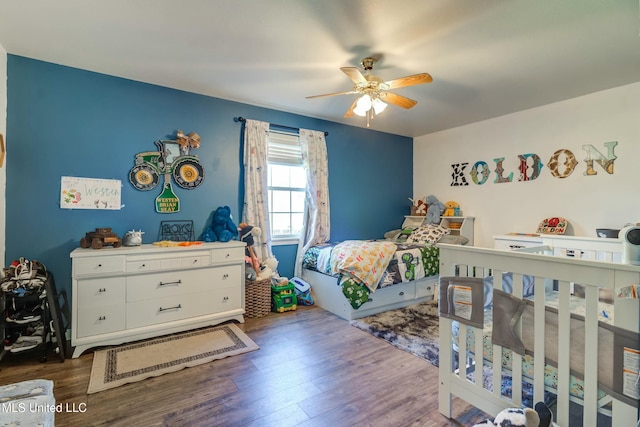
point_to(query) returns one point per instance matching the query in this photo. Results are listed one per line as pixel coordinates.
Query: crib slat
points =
(462, 351)
(564, 353)
(538, 343)
(590, 407)
(479, 373)
(497, 350)
(516, 359)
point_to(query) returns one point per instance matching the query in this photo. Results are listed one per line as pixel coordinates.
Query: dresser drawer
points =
(169, 309)
(425, 289)
(101, 291)
(92, 266)
(175, 283)
(96, 320)
(392, 293)
(146, 264)
(227, 255)
(510, 243)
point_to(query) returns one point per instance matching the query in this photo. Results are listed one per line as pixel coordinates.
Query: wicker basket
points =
(257, 297)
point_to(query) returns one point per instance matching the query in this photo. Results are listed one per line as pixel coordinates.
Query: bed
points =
(409, 276)
(590, 342)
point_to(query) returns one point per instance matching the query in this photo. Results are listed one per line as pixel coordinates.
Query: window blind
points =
(284, 148)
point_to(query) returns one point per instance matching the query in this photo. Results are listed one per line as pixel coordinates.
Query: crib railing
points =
(459, 377)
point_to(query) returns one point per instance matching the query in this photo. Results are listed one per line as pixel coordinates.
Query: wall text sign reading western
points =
(561, 164)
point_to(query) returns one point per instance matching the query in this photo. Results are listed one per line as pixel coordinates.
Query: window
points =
(287, 181)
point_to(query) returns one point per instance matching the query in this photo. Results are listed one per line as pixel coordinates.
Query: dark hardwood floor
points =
(312, 369)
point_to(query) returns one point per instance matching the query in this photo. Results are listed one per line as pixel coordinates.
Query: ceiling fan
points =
(375, 92)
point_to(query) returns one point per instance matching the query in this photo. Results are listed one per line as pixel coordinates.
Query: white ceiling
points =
(487, 58)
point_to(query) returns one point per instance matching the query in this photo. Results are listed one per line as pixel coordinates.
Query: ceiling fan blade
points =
(332, 94)
(355, 75)
(399, 100)
(350, 112)
(416, 79)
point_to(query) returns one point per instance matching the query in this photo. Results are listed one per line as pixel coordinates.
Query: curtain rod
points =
(242, 119)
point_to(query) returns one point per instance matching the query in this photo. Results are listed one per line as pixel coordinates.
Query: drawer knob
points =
(102, 318)
(102, 290)
(99, 265)
(225, 276)
(177, 307)
(225, 299)
(401, 293)
(195, 261)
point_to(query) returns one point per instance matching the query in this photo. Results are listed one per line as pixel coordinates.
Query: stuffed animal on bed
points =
(434, 211)
(450, 208)
(521, 417)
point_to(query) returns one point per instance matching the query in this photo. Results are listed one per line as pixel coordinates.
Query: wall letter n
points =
(605, 162)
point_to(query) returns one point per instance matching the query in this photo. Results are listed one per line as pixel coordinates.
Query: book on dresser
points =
(130, 293)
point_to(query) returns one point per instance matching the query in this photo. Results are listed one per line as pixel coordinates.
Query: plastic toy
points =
(99, 238)
(283, 298)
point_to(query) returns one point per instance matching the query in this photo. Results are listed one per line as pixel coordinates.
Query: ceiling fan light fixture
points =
(378, 106)
(363, 105)
(373, 91)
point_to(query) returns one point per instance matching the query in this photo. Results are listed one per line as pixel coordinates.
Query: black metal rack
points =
(51, 318)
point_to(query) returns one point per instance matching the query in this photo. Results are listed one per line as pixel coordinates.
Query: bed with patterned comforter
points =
(362, 267)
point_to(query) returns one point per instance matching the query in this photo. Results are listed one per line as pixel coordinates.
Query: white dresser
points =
(131, 293)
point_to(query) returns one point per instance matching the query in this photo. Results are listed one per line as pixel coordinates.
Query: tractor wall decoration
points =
(173, 159)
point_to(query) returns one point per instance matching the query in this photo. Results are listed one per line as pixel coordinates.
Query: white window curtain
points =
(314, 160)
(256, 210)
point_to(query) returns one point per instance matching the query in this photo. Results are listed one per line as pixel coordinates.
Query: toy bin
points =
(283, 298)
(257, 297)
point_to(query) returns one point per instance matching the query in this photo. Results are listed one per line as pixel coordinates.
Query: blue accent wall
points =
(63, 121)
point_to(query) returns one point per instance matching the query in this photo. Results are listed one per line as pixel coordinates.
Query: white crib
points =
(559, 263)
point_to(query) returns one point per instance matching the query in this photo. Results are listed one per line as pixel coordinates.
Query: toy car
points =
(99, 238)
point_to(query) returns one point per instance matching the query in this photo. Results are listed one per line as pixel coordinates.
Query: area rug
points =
(137, 361)
(413, 329)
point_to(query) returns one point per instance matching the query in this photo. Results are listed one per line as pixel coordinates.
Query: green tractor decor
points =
(171, 159)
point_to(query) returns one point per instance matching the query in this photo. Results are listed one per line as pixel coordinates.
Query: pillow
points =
(453, 240)
(429, 233)
(392, 235)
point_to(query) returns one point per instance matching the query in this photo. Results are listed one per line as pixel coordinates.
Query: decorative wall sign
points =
(167, 201)
(171, 160)
(176, 231)
(555, 225)
(90, 193)
(561, 164)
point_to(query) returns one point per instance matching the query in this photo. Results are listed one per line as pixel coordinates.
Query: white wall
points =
(3, 131)
(588, 202)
